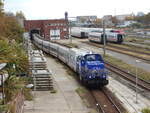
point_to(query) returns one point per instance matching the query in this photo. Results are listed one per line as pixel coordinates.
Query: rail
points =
(144, 59)
(131, 77)
(131, 50)
(106, 103)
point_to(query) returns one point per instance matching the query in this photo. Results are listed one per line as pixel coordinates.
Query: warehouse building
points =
(49, 29)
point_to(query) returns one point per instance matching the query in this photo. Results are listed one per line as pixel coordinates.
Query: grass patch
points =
(69, 71)
(53, 91)
(130, 68)
(3, 108)
(93, 111)
(146, 110)
(82, 92)
(134, 39)
(132, 47)
(130, 53)
(137, 40)
(72, 45)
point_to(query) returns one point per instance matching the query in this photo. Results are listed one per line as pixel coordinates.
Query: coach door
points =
(55, 34)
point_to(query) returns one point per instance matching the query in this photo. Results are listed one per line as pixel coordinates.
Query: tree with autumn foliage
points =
(12, 51)
(20, 14)
(98, 22)
(115, 21)
(145, 20)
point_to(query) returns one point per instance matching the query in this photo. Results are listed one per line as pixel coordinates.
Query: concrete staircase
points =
(41, 76)
(42, 80)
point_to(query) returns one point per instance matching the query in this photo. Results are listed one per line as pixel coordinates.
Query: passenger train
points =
(79, 32)
(89, 66)
(96, 34)
(109, 37)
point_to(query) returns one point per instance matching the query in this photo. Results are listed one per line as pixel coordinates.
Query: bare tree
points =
(115, 21)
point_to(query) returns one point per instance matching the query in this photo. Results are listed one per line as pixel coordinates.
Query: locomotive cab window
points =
(90, 58)
(93, 58)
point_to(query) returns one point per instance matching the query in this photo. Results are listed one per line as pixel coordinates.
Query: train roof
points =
(79, 52)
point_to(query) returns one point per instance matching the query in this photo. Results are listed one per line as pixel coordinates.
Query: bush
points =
(27, 94)
(3, 108)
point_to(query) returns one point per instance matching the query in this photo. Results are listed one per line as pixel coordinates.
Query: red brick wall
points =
(46, 25)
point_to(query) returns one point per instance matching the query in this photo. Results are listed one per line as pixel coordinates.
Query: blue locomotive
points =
(89, 66)
(92, 71)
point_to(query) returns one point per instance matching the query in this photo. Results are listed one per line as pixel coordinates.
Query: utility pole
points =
(104, 39)
(136, 85)
(68, 27)
(70, 32)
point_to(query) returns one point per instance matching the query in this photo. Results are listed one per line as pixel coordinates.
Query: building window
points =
(65, 29)
(55, 34)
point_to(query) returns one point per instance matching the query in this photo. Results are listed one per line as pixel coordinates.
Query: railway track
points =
(106, 102)
(131, 50)
(123, 51)
(128, 76)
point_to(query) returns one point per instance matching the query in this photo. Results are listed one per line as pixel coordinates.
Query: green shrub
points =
(3, 108)
(27, 94)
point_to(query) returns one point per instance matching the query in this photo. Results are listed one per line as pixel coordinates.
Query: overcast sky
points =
(51, 9)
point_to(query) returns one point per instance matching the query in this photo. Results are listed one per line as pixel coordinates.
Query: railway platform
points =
(64, 100)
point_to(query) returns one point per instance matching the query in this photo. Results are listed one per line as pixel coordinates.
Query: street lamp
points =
(104, 38)
(137, 61)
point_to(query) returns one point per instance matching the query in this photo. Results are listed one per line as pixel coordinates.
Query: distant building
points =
(49, 29)
(140, 14)
(10, 14)
(86, 19)
(126, 23)
(123, 17)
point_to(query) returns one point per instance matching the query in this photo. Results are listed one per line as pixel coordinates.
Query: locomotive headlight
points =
(90, 77)
(104, 76)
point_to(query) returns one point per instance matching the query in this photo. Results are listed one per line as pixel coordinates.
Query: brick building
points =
(49, 29)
